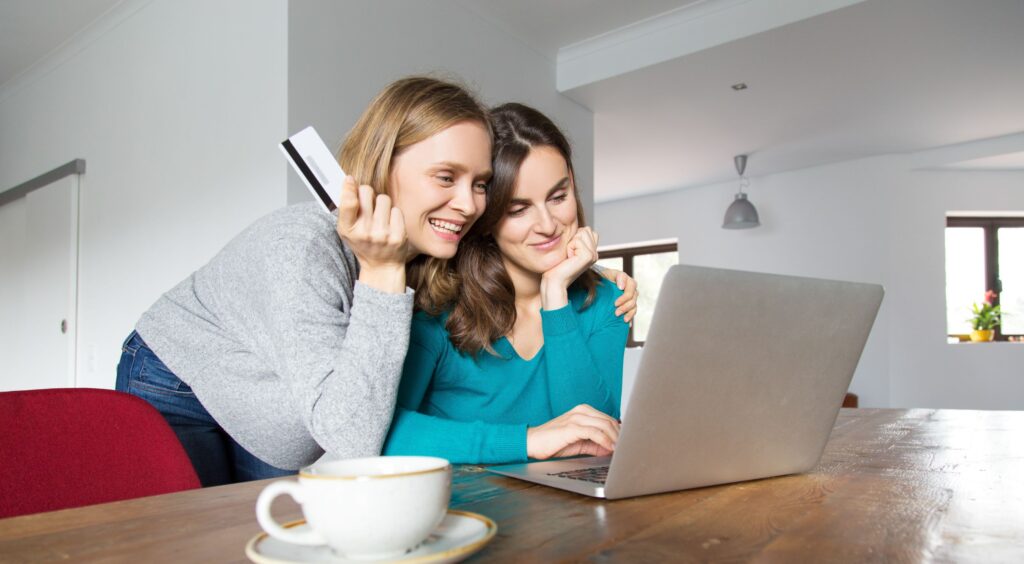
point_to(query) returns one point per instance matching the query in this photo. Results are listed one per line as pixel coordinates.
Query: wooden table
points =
(893, 485)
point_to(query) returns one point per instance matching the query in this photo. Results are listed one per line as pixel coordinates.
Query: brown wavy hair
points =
(406, 112)
(485, 308)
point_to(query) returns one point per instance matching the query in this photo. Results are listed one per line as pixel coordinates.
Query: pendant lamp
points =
(741, 213)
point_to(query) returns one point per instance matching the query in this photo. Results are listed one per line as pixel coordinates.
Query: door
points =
(38, 287)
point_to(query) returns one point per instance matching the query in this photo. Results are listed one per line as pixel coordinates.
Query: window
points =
(647, 263)
(985, 253)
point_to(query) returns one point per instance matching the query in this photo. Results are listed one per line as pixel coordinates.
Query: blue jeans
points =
(217, 458)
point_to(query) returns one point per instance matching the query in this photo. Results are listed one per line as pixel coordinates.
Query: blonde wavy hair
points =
(406, 112)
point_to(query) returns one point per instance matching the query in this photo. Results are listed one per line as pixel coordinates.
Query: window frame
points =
(990, 225)
(627, 253)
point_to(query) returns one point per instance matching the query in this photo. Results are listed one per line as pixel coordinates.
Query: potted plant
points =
(985, 319)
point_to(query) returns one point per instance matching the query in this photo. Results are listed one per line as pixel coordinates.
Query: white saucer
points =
(460, 534)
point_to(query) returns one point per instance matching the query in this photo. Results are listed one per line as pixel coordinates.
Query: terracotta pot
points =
(982, 335)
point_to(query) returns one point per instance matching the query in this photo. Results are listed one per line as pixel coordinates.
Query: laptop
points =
(742, 377)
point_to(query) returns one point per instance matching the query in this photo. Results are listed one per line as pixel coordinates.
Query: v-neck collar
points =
(506, 350)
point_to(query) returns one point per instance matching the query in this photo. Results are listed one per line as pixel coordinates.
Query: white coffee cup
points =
(364, 508)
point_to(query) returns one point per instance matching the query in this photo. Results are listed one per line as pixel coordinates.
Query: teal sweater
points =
(477, 410)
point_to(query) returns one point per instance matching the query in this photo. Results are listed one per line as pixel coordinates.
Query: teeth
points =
(441, 224)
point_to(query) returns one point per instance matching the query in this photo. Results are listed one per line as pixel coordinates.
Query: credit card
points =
(317, 167)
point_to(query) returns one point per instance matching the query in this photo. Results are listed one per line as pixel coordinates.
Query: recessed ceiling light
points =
(739, 86)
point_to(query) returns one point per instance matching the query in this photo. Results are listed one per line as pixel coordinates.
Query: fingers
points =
(569, 438)
(625, 306)
(586, 409)
(583, 244)
(379, 229)
(587, 416)
(587, 237)
(348, 204)
(613, 275)
(363, 212)
(627, 302)
(581, 430)
(623, 300)
(598, 434)
(397, 231)
(583, 448)
(366, 197)
(373, 227)
(630, 287)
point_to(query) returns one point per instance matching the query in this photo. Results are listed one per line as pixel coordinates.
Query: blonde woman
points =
(289, 343)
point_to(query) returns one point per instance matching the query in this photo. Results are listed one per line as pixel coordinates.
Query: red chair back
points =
(64, 448)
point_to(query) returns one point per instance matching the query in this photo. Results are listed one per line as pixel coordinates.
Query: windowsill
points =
(955, 341)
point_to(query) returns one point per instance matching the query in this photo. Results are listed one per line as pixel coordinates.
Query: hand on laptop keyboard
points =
(582, 430)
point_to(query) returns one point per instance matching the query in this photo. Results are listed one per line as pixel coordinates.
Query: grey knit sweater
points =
(286, 351)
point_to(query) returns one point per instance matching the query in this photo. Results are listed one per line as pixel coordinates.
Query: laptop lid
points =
(742, 377)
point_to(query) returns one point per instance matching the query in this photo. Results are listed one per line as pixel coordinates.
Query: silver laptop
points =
(742, 377)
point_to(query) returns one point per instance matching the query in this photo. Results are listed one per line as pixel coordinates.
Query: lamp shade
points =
(741, 214)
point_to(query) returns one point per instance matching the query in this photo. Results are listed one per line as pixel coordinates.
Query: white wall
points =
(342, 53)
(869, 220)
(924, 370)
(177, 107)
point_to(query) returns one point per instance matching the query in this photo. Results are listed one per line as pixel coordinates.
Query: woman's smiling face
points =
(440, 185)
(542, 216)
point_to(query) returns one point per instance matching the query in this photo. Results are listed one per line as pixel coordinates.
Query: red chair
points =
(64, 448)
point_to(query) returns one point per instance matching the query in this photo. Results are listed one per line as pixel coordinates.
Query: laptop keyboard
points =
(595, 474)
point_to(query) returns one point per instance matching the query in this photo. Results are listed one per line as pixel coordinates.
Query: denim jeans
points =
(217, 458)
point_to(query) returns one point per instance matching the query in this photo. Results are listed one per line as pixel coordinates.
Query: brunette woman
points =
(526, 361)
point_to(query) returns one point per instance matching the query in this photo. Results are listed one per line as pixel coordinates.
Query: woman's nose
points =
(545, 223)
(462, 199)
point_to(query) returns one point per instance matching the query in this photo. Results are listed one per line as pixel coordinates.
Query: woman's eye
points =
(560, 197)
(482, 186)
(517, 211)
(446, 179)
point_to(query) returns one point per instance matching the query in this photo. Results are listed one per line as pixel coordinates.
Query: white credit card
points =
(316, 166)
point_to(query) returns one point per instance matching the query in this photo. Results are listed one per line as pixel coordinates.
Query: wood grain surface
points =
(892, 486)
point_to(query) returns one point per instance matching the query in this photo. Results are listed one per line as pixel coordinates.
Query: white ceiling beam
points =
(678, 33)
(964, 153)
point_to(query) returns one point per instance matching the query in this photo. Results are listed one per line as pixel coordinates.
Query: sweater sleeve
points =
(341, 358)
(461, 442)
(585, 366)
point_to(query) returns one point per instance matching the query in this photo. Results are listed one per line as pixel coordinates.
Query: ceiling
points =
(1006, 161)
(548, 25)
(874, 77)
(32, 29)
